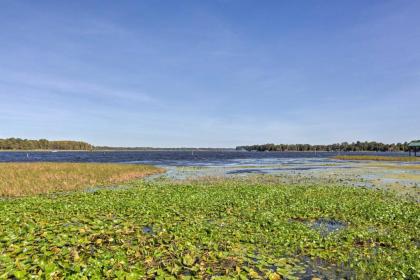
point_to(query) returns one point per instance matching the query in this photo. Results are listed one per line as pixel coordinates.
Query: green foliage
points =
(42, 144)
(345, 147)
(224, 229)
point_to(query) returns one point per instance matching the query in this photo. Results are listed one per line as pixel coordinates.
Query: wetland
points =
(289, 218)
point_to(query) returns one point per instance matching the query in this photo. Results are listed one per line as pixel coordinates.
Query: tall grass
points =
(19, 179)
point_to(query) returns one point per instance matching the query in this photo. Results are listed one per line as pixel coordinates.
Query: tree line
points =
(344, 147)
(42, 144)
(108, 148)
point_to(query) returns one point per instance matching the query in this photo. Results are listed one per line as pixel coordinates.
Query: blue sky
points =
(210, 73)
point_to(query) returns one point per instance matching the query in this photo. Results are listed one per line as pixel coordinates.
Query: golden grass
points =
(403, 176)
(396, 167)
(20, 179)
(377, 158)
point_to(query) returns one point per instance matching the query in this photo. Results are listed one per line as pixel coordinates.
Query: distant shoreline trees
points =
(343, 147)
(42, 144)
(17, 144)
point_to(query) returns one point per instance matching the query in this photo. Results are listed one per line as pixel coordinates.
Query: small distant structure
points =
(414, 146)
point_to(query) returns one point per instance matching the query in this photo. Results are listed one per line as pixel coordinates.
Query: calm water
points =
(175, 158)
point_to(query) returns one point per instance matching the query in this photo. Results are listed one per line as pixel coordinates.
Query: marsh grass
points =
(404, 176)
(377, 158)
(19, 179)
(396, 167)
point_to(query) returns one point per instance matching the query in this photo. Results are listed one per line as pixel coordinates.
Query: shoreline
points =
(199, 150)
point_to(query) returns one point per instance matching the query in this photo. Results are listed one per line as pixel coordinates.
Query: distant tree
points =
(345, 146)
(42, 144)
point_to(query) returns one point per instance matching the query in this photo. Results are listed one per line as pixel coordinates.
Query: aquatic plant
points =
(241, 228)
(401, 167)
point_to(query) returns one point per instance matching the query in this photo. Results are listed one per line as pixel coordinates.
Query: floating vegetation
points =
(397, 167)
(404, 176)
(202, 229)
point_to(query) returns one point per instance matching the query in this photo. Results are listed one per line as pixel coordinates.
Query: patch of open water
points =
(101, 188)
(318, 268)
(147, 230)
(326, 226)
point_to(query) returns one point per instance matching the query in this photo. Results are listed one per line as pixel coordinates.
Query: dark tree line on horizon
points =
(42, 144)
(344, 147)
(108, 148)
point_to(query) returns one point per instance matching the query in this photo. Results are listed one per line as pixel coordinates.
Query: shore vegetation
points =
(343, 147)
(42, 144)
(377, 158)
(20, 179)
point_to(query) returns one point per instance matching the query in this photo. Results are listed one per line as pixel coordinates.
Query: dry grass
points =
(404, 176)
(396, 167)
(377, 158)
(19, 179)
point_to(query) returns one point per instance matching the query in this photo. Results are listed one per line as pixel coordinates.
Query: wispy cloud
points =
(59, 85)
(101, 27)
(138, 74)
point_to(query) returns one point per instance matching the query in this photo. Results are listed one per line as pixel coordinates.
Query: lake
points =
(173, 158)
(188, 164)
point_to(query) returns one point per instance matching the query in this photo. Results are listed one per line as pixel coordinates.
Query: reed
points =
(20, 179)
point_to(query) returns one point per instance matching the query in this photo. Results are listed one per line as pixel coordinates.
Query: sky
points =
(210, 73)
